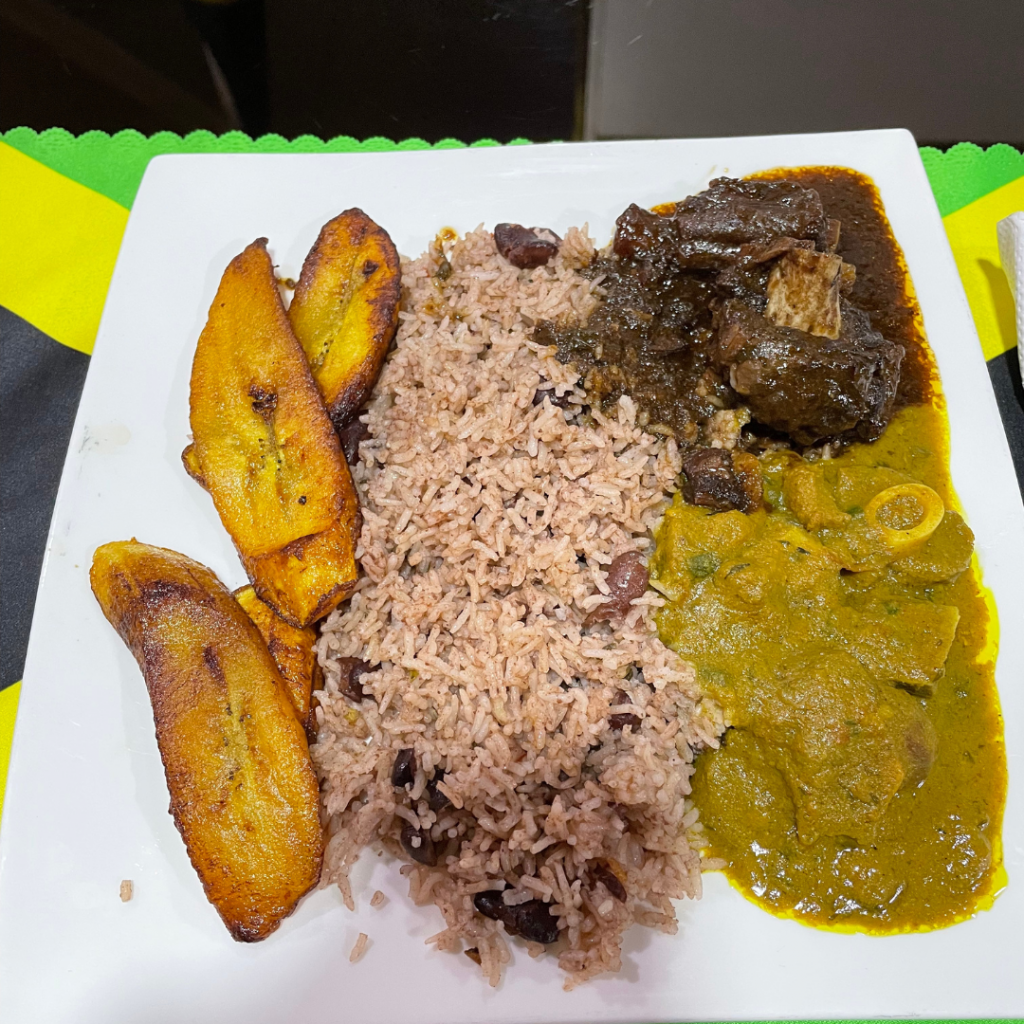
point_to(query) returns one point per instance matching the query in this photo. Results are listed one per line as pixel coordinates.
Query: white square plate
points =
(86, 804)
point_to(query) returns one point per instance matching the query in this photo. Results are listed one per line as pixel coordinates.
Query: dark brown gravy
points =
(655, 335)
(882, 287)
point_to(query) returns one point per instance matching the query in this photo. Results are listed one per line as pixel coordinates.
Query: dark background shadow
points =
(445, 68)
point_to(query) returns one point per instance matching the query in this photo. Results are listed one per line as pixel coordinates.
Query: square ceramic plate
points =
(87, 804)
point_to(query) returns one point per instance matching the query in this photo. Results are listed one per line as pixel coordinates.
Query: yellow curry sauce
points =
(862, 784)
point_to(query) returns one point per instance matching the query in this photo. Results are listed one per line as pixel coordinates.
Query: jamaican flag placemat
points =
(64, 203)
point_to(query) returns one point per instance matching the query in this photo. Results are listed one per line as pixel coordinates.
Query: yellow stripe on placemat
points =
(8, 712)
(58, 244)
(972, 236)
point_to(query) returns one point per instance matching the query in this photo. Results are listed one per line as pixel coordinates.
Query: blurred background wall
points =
(949, 70)
(544, 69)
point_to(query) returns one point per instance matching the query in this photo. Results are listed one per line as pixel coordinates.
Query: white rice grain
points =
(359, 948)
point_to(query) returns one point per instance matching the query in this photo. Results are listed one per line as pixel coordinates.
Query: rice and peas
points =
(491, 515)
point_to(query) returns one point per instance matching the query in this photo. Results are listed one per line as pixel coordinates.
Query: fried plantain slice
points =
(345, 309)
(190, 460)
(263, 442)
(310, 577)
(244, 795)
(293, 652)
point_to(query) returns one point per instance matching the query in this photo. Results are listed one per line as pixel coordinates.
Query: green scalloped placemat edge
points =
(113, 165)
(966, 172)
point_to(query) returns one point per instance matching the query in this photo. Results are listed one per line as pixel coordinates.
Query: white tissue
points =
(1011, 253)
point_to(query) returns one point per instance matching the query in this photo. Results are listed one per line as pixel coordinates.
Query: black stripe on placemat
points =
(40, 385)
(1004, 371)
